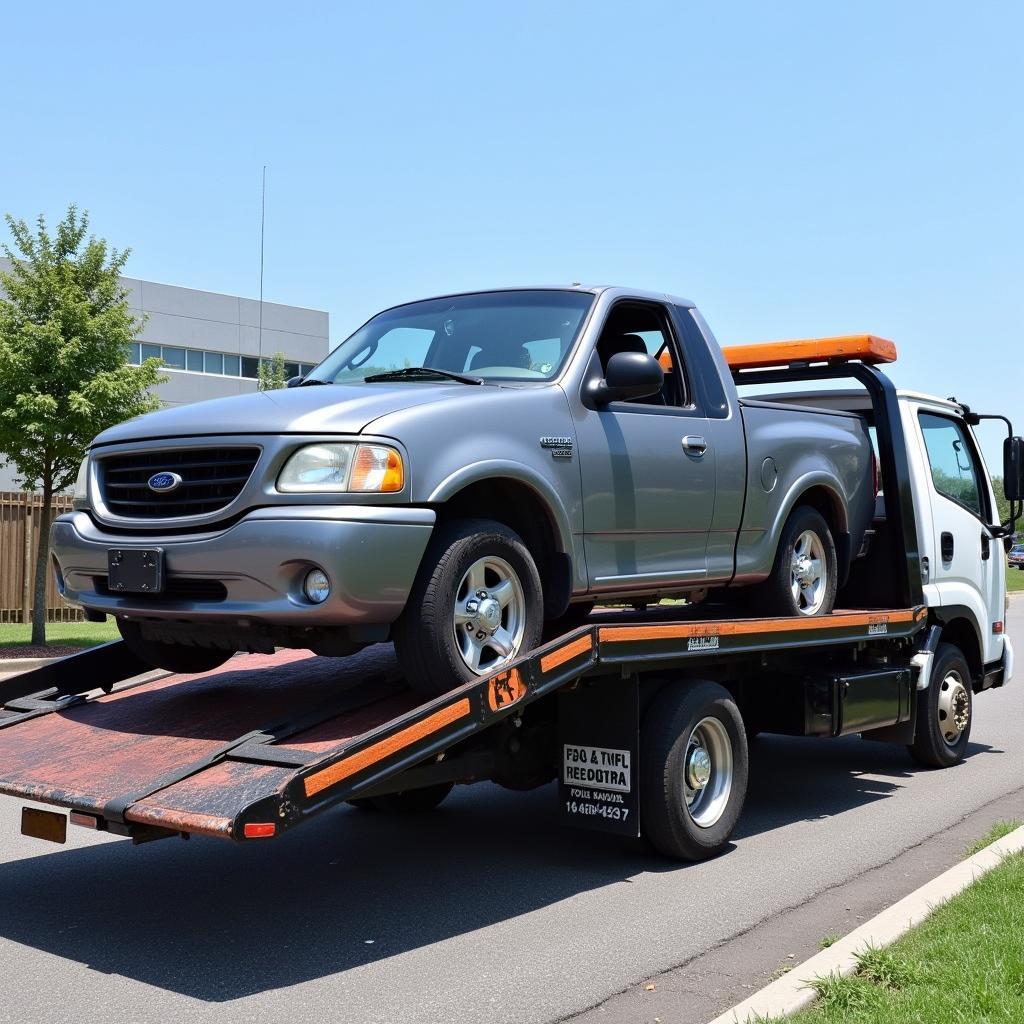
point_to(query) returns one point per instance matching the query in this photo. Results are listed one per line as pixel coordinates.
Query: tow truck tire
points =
(944, 711)
(789, 591)
(413, 801)
(171, 657)
(433, 633)
(690, 802)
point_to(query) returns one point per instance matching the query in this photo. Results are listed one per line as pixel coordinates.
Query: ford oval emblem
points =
(162, 483)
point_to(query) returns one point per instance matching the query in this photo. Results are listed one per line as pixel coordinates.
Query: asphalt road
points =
(486, 910)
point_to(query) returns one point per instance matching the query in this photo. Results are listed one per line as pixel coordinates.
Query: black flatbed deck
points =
(274, 739)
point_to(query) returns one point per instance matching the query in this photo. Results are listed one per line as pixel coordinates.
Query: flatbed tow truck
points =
(642, 717)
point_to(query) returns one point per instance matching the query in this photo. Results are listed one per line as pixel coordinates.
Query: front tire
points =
(805, 576)
(476, 605)
(171, 657)
(944, 711)
(693, 770)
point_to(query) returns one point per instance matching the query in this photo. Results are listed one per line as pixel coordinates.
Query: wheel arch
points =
(960, 628)
(512, 495)
(818, 491)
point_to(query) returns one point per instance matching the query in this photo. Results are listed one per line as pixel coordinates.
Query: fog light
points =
(317, 586)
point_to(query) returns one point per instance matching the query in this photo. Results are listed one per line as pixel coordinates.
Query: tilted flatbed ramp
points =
(257, 746)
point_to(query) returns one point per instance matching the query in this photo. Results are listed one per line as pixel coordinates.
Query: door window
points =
(956, 472)
(644, 328)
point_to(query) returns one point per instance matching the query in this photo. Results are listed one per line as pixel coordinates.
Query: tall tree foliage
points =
(272, 374)
(64, 377)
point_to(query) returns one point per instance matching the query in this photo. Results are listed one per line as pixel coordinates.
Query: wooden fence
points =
(19, 535)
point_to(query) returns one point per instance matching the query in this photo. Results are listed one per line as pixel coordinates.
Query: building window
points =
(174, 358)
(195, 360)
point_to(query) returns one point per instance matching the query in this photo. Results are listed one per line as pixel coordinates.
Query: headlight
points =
(80, 496)
(333, 468)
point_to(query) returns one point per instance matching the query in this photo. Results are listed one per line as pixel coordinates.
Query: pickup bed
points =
(461, 475)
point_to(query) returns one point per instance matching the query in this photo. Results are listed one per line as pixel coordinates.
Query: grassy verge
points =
(1014, 581)
(964, 964)
(61, 634)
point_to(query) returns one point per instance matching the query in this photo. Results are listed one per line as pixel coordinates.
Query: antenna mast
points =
(263, 220)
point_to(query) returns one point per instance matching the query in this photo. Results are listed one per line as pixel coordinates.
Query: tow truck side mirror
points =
(629, 375)
(1013, 468)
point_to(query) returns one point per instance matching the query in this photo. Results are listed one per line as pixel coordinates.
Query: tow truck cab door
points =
(965, 564)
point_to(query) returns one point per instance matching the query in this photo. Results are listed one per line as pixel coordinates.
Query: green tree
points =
(272, 374)
(64, 376)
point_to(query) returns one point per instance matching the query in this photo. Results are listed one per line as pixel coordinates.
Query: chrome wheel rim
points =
(808, 578)
(707, 772)
(954, 708)
(489, 618)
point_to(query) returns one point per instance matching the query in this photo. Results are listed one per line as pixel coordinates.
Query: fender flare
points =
(480, 472)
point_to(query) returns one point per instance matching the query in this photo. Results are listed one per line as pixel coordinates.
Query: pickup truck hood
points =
(327, 409)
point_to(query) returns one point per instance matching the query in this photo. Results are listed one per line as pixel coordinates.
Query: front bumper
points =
(370, 554)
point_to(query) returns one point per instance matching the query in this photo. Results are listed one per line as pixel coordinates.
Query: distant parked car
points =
(1016, 556)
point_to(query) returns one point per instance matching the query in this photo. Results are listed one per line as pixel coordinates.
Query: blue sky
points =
(796, 169)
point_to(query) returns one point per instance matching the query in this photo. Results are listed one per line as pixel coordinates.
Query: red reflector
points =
(85, 820)
(259, 829)
(997, 628)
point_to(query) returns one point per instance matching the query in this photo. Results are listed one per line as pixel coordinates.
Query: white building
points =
(211, 344)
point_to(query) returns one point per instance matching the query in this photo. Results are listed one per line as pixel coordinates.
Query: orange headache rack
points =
(865, 347)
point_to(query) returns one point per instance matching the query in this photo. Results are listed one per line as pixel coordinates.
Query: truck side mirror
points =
(1013, 468)
(629, 375)
(294, 382)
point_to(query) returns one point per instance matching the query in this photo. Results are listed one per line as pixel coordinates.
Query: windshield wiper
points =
(310, 381)
(421, 373)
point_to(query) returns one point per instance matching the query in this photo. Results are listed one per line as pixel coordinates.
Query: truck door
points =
(647, 467)
(966, 563)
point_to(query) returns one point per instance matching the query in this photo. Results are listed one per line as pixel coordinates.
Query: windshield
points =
(496, 336)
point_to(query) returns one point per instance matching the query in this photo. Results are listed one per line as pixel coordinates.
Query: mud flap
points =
(598, 750)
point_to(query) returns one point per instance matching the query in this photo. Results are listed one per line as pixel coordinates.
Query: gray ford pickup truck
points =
(458, 473)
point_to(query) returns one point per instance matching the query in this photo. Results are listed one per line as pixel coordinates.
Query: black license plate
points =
(46, 825)
(135, 570)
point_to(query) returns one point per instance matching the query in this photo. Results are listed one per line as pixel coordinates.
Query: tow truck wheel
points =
(171, 657)
(476, 605)
(805, 575)
(693, 770)
(944, 711)
(413, 801)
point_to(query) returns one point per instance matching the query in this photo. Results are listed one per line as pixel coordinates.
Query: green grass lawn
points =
(1014, 580)
(62, 634)
(964, 964)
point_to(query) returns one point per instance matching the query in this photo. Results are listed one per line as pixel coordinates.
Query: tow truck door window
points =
(648, 499)
(960, 510)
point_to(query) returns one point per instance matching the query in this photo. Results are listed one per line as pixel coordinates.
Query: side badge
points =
(560, 447)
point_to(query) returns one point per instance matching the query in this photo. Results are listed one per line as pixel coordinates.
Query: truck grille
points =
(211, 478)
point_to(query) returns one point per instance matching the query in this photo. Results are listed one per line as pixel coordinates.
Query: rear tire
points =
(413, 801)
(477, 593)
(804, 577)
(944, 711)
(689, 803)
(171, 657)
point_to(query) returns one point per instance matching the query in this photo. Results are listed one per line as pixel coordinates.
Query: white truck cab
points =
(963, 566)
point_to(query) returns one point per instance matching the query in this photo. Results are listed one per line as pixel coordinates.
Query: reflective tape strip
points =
(321, 780)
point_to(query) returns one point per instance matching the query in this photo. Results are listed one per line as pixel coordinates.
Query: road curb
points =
(12, 666)
(793, 992)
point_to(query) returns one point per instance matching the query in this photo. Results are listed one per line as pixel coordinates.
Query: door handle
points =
(695, 444)
(947, 547)
(986, 546)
